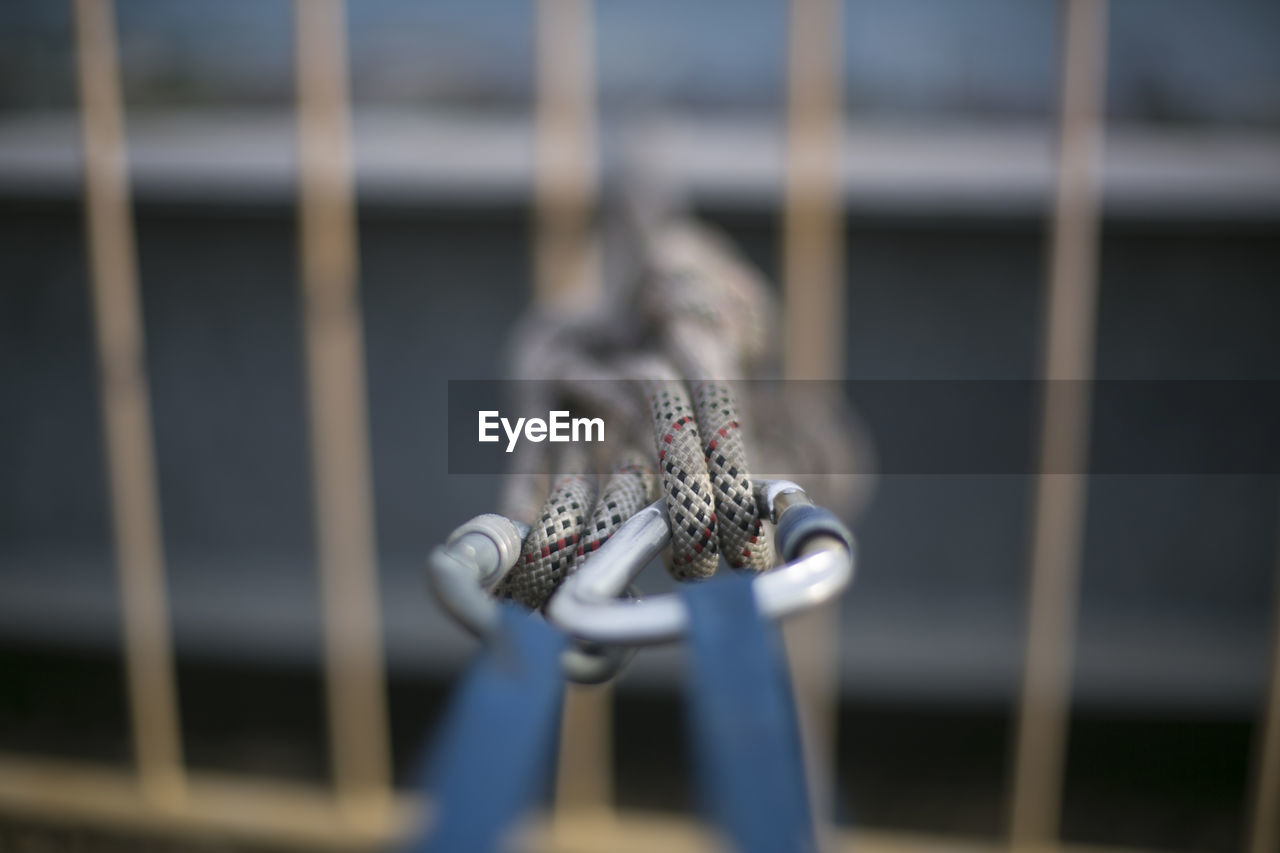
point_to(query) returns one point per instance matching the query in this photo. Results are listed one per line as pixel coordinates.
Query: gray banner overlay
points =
(931, 427)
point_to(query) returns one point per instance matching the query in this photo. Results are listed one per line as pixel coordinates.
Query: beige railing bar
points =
(1059, 509)
(340, 446)
(584, 774)
(813, 324)
(565, 174)
(565, 186)
(135, 509)
(812, 250)
(221, 812)
(232, 812)
(1264, 816)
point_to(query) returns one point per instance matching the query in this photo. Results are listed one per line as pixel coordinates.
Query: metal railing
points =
(362, 808)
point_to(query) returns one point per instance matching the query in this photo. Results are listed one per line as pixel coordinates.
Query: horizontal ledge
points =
(217, 806)
(303, 817)
(405, 158)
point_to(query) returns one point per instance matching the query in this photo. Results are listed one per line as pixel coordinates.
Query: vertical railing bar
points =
(812, 279)
(355, 678)
(1264, 814)
(565, 186)
(135, 509)
(813, 323)
(565, 175)
(1059, 508)
(584, 774)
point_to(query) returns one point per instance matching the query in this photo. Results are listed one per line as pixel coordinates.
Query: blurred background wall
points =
(948, 173)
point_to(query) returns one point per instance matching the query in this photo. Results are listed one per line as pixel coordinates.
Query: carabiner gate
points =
(818, 548)
(589, 607)
(473, 561)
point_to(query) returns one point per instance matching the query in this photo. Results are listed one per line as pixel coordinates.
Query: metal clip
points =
(818, 548)
(473, 561)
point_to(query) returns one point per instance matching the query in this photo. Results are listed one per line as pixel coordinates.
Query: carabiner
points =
(818, 547)
(477, 555)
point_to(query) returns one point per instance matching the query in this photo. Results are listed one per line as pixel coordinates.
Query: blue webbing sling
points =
(496, 743)
(742, 722)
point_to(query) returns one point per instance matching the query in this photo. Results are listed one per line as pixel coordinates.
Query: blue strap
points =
(743, 724)
(493, 750)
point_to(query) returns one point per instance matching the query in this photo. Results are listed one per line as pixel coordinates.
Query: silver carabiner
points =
(464, 571)
(818, 548)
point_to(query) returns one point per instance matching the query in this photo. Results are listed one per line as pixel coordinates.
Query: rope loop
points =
(690, 319)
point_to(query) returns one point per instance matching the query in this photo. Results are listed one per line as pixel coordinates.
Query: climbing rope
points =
(658, 360)
(688, 322)
(550, 550)
(686, 482)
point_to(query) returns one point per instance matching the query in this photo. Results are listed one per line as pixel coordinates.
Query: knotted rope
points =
(692, 318)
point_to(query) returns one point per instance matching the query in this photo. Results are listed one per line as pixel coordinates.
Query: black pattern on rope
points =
(742, 536)
(682, 468)
(550, 550)
(629, 488)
